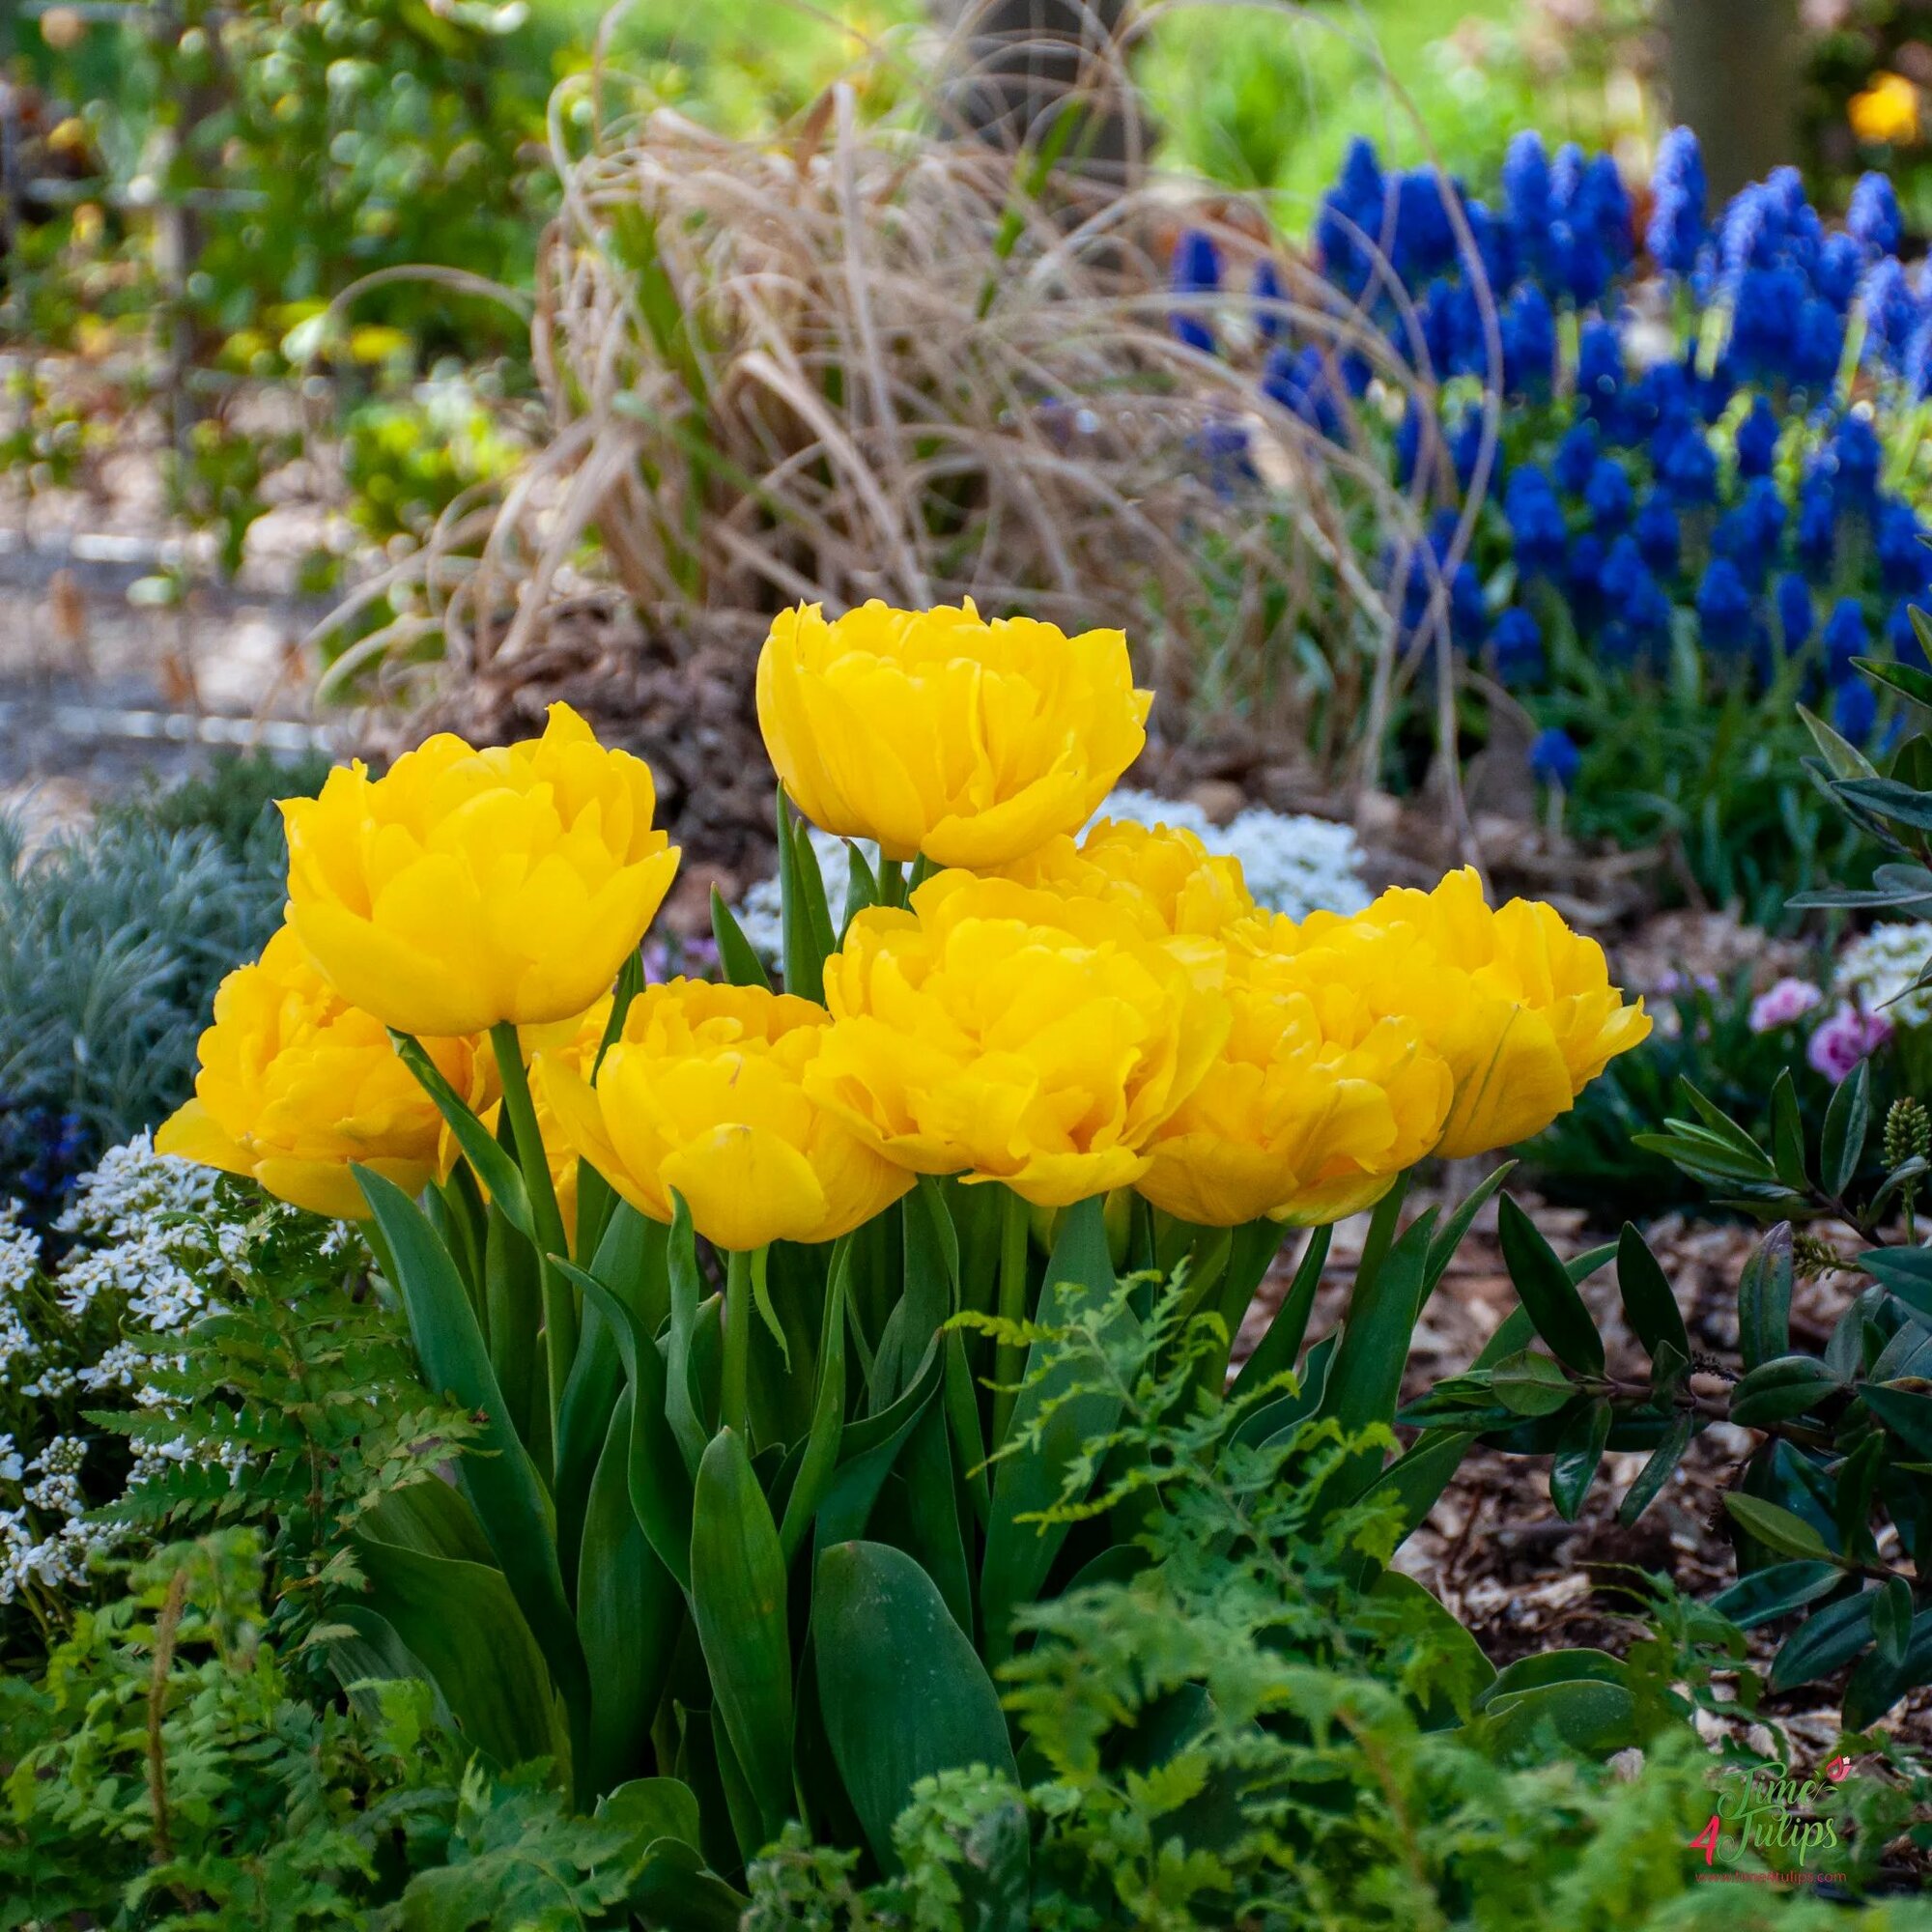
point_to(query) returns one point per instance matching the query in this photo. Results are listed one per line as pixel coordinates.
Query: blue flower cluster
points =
(1705, 478)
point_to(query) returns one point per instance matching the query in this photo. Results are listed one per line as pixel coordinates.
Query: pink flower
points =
(1787, 1002)
(1845, 1040)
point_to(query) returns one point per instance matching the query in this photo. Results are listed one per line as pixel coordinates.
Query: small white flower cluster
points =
(1293, 863)
(142, 1248)
(19, 1269)
(1876, 970)
(59, 1556)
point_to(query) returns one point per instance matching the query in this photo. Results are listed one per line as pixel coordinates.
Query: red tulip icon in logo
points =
(1838, 1770)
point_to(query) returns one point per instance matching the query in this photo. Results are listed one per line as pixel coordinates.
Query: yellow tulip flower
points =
(295, 1084)
(937, 732)
(1013, 1034)
(1520, 1007)
(1309, 1113)
(1164, 873)
(464, 889)
(704, 1096)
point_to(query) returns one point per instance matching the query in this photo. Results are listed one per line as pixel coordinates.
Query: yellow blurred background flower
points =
(466, 887)
(1887, 113)
(295, 1084)
(703, 1095)
(939, 732)
(1010, 1034)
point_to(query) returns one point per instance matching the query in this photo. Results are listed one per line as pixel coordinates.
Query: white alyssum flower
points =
(1875, 971)
(139, 1214)
(19, 1266)
(1293, 863)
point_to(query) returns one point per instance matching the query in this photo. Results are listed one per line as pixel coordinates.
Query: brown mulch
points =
(1493, 1549)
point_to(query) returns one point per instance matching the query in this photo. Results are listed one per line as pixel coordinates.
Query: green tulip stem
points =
(1010, 1359)
(560, 1300)
(734, 1396)
(891, 881)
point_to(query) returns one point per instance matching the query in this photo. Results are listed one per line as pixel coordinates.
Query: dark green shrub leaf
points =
(1650, 1307)
(1824, 1642)
(1764, 1299)
(1776, 1391)
(1776, 1591)
(1579, 1453)
(1847, 1122)
(1908, 1416)
(1776, 1528)
(1531, 1384)
(1655, 1473)
(1787, 1133)
(1547, 1293)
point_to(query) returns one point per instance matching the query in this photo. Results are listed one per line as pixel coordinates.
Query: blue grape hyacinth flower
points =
(1555, 759)
(1517, 638)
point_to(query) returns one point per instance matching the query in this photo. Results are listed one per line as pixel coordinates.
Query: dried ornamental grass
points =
(865, 359)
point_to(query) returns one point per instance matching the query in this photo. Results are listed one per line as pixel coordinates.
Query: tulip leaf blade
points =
(903, 1693)
(495, 1168)
(657, 1483)
(738, 1605)
(1366, 1378)
(629, 1613)
(501, 1483)
(682, 1344)
(820, 1460)
(1546, 1290)
(806, 921)
(459, 1621)
(1056, 1414)
(1279, 1346)
(736, 957)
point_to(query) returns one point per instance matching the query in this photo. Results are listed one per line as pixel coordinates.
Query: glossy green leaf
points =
(1547, 1293)
(738, 1603)
(1530, 1383)
(1847, 1122)
(1649, 1306)
(1579, 1452)
(1763, 1596)
(1778, 1528)
(1657, 1471)
(903, 1692)
(629, 1613)
(1779, 1389)
(1787, 1133)
(1843, 758)
(1764, 1299)
(1907, 1415)
(1892, 1619)
(1826, 1642)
